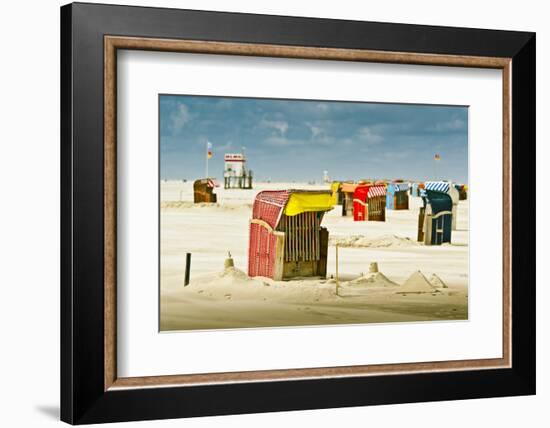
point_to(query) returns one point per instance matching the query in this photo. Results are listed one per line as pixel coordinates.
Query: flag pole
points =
(206, 156)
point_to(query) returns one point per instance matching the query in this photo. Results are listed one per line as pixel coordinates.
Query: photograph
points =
(292, 212)
(264, 212)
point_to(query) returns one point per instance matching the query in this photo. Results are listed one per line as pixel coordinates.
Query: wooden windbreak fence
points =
(302, 241)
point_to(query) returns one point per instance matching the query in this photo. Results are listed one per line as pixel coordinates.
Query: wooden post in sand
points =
(187, 268)
(337, 280)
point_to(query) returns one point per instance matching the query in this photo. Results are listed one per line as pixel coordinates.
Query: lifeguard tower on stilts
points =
(236, 175)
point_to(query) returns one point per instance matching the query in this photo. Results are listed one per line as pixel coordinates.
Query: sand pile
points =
(361, 241)
(233, 273)
(365, 285)
(437, 282)
(230, 277)
(233, 283)
(372, 279)
(417, 283)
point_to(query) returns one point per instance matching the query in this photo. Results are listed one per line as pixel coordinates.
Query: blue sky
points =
(295, 140)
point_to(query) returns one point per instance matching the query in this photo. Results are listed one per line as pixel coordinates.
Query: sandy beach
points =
(415, 282)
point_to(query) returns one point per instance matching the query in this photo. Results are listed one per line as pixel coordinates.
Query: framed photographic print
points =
(266, 213)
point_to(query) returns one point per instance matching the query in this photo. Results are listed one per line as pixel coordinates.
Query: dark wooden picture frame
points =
(90, 389)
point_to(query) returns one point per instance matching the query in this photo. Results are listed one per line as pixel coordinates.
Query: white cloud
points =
(180, 117)
(451, 125)
(279, 125)
(316, 131)
(366, 135)
(322, 140)
(281, 141)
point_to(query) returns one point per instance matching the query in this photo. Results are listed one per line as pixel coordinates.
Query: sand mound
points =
(233, 283)
(437, 282)
(373, 279)
(361, 241)
(234, 273)
(417, 283)
(365, 285)
(229, 277)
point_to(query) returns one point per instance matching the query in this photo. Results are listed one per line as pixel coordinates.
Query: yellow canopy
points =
(334, 187)
(306, 202)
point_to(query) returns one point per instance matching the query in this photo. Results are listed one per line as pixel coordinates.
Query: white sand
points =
(229, 299)
(359, 241)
